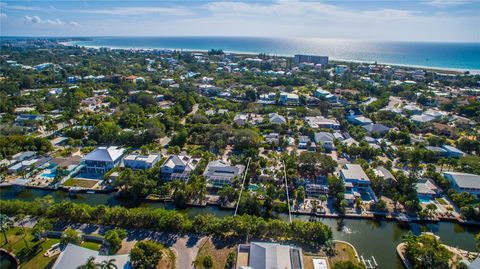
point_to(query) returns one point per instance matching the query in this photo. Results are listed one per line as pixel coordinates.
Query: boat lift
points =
(369, 263)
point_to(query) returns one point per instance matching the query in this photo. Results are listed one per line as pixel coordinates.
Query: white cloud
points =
(51, 22)
(130, 11)
(446, 3)
(3, 16)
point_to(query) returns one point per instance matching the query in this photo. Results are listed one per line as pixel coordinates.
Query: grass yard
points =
(218, 250)
(84, 183)
(32, 257)
(343, 252)
(442, 201)
(91, 245)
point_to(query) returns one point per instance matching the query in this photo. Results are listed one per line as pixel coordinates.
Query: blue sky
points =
(427, 20)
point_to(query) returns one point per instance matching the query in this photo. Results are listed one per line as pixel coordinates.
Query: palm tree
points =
(5, 224)
(90, 264)
(110, 264)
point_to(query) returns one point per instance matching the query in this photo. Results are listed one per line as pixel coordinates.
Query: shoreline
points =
(369, 216)
(432, 68)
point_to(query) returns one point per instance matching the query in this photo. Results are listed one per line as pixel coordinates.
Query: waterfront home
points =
(322, 122)
(73, 257)
(426, 189)
(142, 162)
(464, 182)
(220, 173)
(287, 99)
(277, 119)
(178, 167)
(325, 139)
(436, 151)
(23, 118)
(316, 190)
(261, 255)
(102, 159)
(375, 128)
(353, 173)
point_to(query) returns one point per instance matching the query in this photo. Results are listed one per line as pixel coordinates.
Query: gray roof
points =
(376, 127)
(464, 180)
(452, 149)
(74, 256)
(269, 255)
(384, 173)
(435, 149)
(105, 154)
(323, 137)
(354, 172)
(222, 169)
(426, 186)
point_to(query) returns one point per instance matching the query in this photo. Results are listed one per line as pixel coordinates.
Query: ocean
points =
(453, 56)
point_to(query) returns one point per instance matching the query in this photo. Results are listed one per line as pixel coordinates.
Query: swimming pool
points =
(424, 199)
(48, 175)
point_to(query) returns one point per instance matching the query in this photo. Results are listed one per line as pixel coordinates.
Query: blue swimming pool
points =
(424, 199)
(49, 175)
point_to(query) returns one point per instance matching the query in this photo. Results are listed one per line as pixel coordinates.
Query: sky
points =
(373, 20)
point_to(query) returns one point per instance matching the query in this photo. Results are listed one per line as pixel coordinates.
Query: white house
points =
(220, 173)
(325, 139)
(322, 122)
(103, 159)
(143, 162)
(277, 119)
(354, 174)
(178, 167)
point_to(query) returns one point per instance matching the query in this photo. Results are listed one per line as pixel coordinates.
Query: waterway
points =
(371, 238)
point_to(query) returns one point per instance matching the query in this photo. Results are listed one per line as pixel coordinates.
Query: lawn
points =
(29, 258)
(343, 252)
(84, 183)
(218, 250)
(91, 245)
(441, 201)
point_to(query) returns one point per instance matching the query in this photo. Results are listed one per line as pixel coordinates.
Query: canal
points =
(371, 238)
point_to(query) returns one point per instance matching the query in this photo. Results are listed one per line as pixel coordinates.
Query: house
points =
(354, 174)
(359, 120)
(102, 159)
(316, 190)
(73, 257)
(437, 151)
(376, 128)
(220, 173)
(426, 188)
(325, 139)
(262, 255)
(304, 142)
(325, 95)
(421, 119)
(322, 122)
(178, 167)
(142, 162)
(287, 99)
(24, 155)
(268, 98)
(240, 119)
(412, 109)
(272, 138)
(453, 152)
(437, 114)
(277, 119)
(463, 182)
(22, 118)
(384, 174)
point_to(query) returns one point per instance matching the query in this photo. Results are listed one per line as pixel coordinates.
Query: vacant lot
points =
(219, 251)
(343, 252)
(84, 183)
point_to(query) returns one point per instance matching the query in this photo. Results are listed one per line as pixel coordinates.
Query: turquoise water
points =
(464, 56)
(424, 199)
(50, 175)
